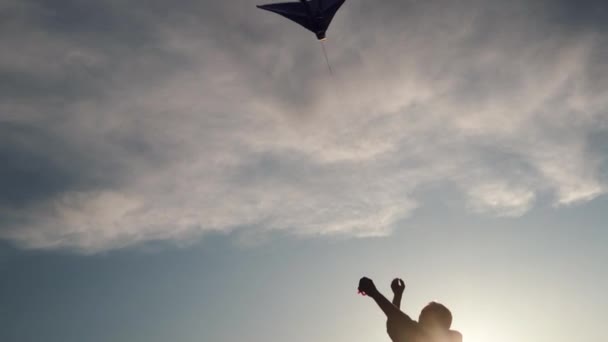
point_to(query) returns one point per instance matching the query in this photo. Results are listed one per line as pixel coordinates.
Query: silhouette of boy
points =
(433, 323)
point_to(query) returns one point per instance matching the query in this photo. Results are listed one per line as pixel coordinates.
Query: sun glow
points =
(486, 327)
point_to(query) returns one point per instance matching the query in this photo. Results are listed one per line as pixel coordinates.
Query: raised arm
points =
(392, 312)
(398, 286)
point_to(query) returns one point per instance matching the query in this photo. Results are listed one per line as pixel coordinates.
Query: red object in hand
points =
(362, 293)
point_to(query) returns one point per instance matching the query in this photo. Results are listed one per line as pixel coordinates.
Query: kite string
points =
(367, 183)
(326, 58)
(363, 168)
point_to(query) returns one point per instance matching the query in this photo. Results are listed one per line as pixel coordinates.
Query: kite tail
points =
(326, 58)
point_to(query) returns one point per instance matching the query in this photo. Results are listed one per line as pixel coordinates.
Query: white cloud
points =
(220, 133)
(500, 199)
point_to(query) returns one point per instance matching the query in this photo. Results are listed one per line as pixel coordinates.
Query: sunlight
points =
(478, 328)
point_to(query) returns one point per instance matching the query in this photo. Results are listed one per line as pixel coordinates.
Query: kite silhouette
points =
(314, 15)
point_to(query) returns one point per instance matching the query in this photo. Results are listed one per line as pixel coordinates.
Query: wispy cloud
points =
(125, 123)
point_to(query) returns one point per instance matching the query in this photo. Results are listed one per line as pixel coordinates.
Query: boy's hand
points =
(367, 286)
(398, 286)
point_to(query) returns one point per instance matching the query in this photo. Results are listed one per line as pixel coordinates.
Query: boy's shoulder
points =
(455, 336)
(449, 336)
(401, 330)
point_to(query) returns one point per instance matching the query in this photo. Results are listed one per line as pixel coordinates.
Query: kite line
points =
(326, 58)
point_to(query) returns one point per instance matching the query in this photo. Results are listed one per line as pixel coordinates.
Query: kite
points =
(314, 15)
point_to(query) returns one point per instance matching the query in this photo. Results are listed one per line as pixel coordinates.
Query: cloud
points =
(126, 123)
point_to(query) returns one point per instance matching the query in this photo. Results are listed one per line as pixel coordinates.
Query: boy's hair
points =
(436, 314)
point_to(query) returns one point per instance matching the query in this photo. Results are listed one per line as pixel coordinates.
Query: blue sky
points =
(191, 171)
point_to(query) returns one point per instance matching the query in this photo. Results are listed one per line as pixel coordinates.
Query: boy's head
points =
(435, 315)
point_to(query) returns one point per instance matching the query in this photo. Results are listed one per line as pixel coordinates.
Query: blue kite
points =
(314, 15)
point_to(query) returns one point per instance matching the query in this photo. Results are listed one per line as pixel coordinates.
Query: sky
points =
(191, 171)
